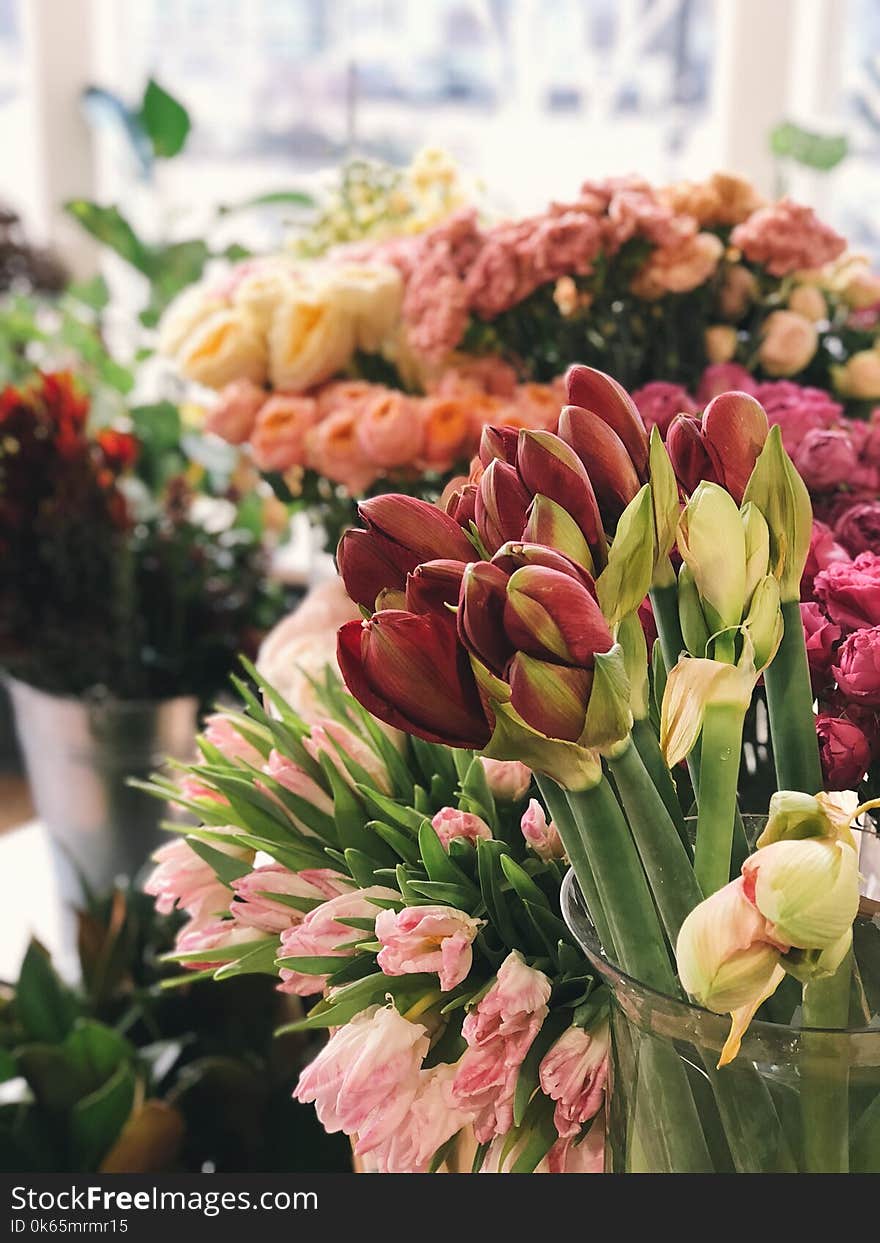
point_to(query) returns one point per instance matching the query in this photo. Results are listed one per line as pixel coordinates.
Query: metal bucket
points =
(79, 755)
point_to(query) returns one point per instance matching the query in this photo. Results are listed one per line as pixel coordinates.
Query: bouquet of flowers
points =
(508, 623)
(118, 573)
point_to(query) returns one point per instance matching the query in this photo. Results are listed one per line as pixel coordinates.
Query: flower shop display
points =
(345, 859)
(120, 1074)
(126, 594)
(651, 283)
(536, 654)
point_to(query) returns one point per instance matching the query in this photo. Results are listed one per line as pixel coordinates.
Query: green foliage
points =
(165, 121)
(821, 152)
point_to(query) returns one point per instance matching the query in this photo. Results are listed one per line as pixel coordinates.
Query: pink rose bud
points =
(573, 1074)
(221, 732)
(825, 458)
(338, 742)
(659, 402)
(844, 750)
(508, 780)
(858, 667)
(366, 1077)
(235, 412)
(821, 637)
(858, 527)
(723, 378)
(850, 591)
(427, 938)
(449, 822)
(540, 834)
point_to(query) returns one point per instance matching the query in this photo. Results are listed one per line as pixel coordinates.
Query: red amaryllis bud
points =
(605, 457)
(501, 505)
(551, 525)
(370, 565)
(734, 430)
(499, 442)
(410, 671)
(481, 615)
(688, 453)
(551, 615)
(461, 505)
(549, 466)
(550, 698)
(515, 555)
(433, 585)
(596, 391)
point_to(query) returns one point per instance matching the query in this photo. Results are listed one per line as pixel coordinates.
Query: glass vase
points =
(794, 1100)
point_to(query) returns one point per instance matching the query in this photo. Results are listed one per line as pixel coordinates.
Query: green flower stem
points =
(663, 856)
(566, 827)
(719, 776)
(645, 740)
(790, 705)
(825, 1086)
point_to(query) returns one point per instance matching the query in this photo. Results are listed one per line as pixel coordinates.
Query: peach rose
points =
(224, 347)
(738, 291)
(808, 301)
(342, 394)
(680, 267)
(279, 437)
(720, 342)
(390, 430)
(859, 377)
(788, 342)
(449, 424)
(235, 413)
(333, 450)
(858, 285)
(538, 405)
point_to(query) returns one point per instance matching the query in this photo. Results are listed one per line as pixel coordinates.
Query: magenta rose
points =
(658, 403)
(824, 551)
(724, 378)
(826, 458)
(858, 667)
(844, 750)
(850, 591)
(797, 409)
(858, 528)
(821, 636)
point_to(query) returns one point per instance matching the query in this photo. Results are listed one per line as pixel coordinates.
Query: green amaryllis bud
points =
(550, 615)
(551, 525)
(551, 698)
(690, 614)
(763, 624)
(664, 495)
(808, 891)
(626, 579)
(634, 649)
(778, 491)
(609, 717)
(757, 537)
(712, 542)
(548, 465)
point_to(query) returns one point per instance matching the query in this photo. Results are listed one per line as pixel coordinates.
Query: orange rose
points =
(279, 437)
(389, 429)
(451, 427)
(333, 450)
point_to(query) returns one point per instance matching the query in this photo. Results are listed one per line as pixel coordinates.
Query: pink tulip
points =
(427, 938)
(432, 1119)
(297, 781)
(449, 822)
(508, 780)
(573, 1074)
(221, 733)
(320, 935)
(335, 740)
(366, 1077)
(259, 907)
(182, 880)
(540, 834)
(220, 941)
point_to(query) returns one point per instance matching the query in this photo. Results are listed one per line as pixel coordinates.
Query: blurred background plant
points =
(122, 1074)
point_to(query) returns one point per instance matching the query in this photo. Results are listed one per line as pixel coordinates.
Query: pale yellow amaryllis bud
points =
(778, 491)
(794, 816)
(807, 891)
(757, 537)
(713, 544)
(664, 497)
(694, 630)
(763, 625)
(725, 961)
(691, 687)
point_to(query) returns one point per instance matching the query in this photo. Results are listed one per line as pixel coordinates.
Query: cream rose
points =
(372, 294)
(224, 347)
(808, 301)
(311, 338)
(788, 342)
(720, 343)
(860, 376)
(184, 315)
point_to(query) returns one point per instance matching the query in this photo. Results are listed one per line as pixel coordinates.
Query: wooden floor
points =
(15, 801)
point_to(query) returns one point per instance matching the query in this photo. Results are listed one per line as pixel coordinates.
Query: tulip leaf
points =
(225, 867)
(440, 891)
(476, 795)
(442, 1153)
(491, 884)
(523, 883)
(389, 809)
(311, 964)
(401, 777)
(294, 901)
(361, 866)
(479, 1157)
(420, 800)
(541, 1134)
(399, 841)
(352, 998)
(257, 961)
(527, 1079)
(402, 877)
(349, 816)
(552, 927)
(355, 968)
(437, 862)
(293, 855)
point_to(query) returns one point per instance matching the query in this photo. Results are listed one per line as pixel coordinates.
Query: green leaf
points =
(397, 839)
(438, 864)
(389, 809)
(274, 198)
(225, 867)
(110, 227)
(808, 147)
(541, 1135)
(51, 1075)
(440, 891)
(44, 1007)
(259, 961)
(527, 1080)
(491, 877)
(312, 964)
(442, 1153)
(476, 795)
(92, 293)
(362, 867)
(97, 1052)
(96, 1120)
(8, 1066)
(523, 884)
(165, 121)
(353, 998)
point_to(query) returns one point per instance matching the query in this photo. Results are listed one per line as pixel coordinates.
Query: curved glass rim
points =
(572, 901)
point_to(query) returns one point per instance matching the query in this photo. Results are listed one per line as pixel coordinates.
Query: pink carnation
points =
(434, 939)
(797, 409)
(493, 283)
(786, 236)
(850, 591)
(659, 402)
